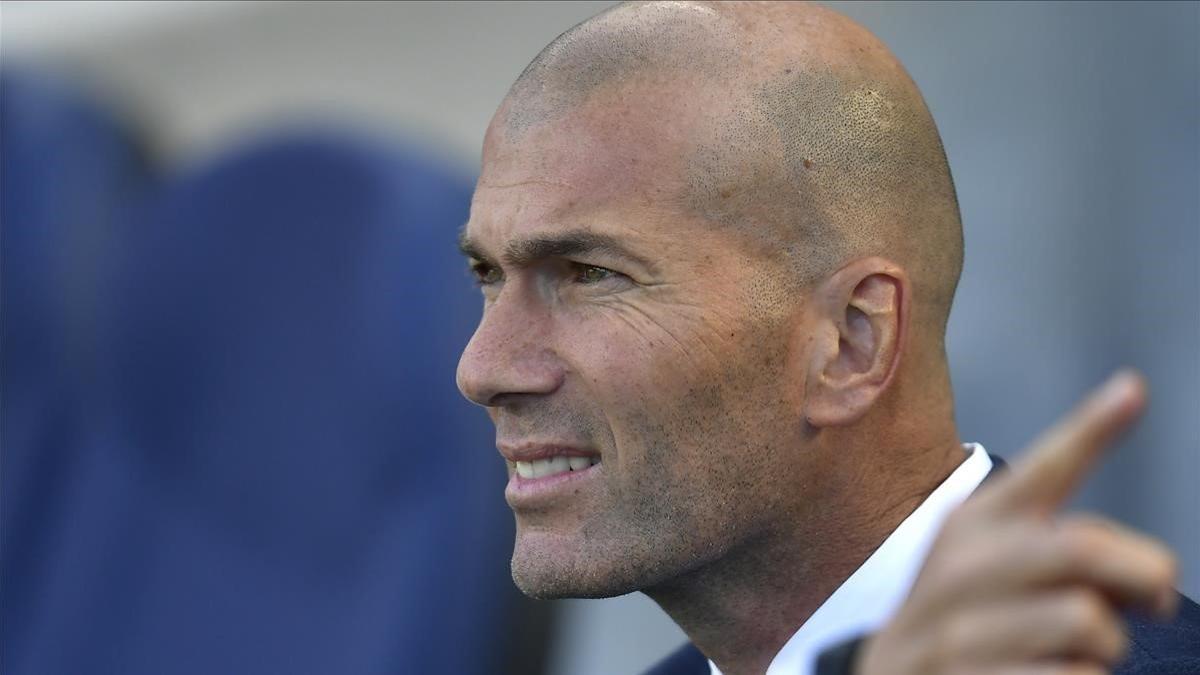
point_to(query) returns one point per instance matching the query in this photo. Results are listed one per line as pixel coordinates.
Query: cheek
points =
(642, 376)
(690, 419)
(673, 394)
(636, 346)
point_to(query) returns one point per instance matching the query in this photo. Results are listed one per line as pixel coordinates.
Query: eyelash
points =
(480, 272)
(483, 273)
(581, 269)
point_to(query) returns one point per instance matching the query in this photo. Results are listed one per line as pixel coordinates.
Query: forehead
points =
(619, 157)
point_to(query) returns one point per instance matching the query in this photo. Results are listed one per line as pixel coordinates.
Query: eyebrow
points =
(468, 247)
(524, 252)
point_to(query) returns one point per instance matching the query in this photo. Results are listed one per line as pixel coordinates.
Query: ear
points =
(860, 325)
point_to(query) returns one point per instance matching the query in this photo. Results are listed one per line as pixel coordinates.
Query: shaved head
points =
(705, 234)
(810, 138)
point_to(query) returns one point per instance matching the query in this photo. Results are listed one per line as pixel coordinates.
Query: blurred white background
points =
(1072, 131)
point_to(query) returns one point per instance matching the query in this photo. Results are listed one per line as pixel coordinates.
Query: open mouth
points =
(553, 466)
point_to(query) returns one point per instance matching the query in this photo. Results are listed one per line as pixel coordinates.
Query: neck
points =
(741, 609)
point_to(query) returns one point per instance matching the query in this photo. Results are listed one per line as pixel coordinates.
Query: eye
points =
(485, 274)
(591, 274)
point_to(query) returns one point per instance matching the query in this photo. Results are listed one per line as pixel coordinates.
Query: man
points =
(718, 245)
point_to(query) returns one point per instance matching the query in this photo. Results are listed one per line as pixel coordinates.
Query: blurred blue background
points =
(232, 308)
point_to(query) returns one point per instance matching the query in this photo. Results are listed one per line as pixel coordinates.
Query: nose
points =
(509, 354)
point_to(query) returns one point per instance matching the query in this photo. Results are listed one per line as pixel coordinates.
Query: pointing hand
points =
(1013, 586)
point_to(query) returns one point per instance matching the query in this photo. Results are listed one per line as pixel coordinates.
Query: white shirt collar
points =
(866, 600)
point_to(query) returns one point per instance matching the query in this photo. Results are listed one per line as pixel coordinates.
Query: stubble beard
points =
(649, 533)
(680, 508)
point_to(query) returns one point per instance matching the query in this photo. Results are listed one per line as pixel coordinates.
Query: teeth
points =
(555, 465)
(524, 470)
(552, 466)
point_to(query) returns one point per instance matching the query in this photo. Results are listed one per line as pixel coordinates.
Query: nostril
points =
(469, 381)
(508, 355)
(495, 383)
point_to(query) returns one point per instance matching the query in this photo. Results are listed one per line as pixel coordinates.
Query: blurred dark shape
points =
(69, 171)
(278, 474)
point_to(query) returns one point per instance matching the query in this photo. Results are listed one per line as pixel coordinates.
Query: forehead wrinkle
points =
(493, 185)
(586, 178)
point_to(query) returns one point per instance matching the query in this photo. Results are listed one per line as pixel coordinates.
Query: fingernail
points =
(1119, 387)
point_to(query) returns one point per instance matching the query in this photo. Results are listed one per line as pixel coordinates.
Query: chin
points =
(546, 574)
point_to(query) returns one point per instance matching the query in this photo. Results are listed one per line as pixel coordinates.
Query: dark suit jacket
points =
(1155, 648)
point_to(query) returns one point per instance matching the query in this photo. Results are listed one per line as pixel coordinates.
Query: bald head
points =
(704, 235)
(803, 133)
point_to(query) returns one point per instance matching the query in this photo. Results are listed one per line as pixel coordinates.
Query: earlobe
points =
(859, 341)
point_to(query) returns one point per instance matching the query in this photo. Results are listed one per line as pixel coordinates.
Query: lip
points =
(528, 452)
(532, 493)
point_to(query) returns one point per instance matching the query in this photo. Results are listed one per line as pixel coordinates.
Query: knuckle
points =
(1086, 616)
(1080, 545)
(954, 641)
(963, 568)
(1118, 645)
(1091, 521)
(1166, 567)
(1103, 638)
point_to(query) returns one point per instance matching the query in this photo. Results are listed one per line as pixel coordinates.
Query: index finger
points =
(1047, 474)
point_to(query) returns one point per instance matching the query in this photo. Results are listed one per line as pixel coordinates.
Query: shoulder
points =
(1170, 648)
(687, 660)
(1156, 648)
